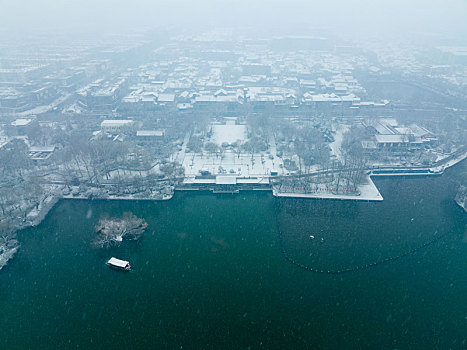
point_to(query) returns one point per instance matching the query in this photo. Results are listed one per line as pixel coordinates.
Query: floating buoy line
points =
(356, 268)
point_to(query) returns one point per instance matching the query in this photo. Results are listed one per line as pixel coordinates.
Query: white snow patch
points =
(337, 143)
(228, 133)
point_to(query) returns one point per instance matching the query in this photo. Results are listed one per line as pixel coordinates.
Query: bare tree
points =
(111, 232)
(8, 244)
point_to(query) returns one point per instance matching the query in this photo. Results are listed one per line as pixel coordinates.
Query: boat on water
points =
(119, 264)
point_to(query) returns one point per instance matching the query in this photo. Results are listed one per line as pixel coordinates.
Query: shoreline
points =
(368, 192)
(119, 198)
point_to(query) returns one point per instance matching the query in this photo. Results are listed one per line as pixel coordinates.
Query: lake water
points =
(209, 273)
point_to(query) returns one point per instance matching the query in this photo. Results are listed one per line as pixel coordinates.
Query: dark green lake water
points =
(208, 273)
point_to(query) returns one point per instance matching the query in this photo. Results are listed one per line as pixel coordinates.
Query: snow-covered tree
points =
(8, 246)
(111, 232)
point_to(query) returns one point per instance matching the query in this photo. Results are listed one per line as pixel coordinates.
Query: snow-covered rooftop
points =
(115, 122)
(153, 133)
(21, 122)
(390, 138)
(226, 180)
(117, 262)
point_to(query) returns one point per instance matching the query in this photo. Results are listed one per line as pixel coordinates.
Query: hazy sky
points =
(360, 16)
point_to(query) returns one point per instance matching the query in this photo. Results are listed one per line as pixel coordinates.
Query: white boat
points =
(119, 264)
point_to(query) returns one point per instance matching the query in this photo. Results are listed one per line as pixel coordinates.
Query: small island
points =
(111, 232)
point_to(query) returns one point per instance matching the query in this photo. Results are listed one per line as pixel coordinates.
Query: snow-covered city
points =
(303, 116)
(255, 174)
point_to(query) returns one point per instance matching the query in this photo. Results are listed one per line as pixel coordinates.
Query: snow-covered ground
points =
(440, 157)
(8, 249)
(37, 214)
(337, 143)
(43, 109)
(73, 108)
(272, 143)
(367, 190)
(181, 154)
(229, 133)
(230, 163)
(450, 163)
(124, 173)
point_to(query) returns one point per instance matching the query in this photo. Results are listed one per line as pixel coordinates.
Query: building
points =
(117, 125)
(389, 135)
(150, 135)
(40, 153)
(21, 125)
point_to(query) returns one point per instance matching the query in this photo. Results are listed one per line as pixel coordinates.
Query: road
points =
(181, 154)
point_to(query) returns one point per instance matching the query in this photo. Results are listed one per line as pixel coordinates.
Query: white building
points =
(117, 125)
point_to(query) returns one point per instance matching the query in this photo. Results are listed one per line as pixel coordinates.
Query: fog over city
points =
(259, 174)
(360, 17)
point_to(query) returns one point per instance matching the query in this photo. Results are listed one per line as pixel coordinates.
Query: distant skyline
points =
(359, 18)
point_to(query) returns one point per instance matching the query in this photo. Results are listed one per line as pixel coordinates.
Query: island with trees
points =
(112, 231)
